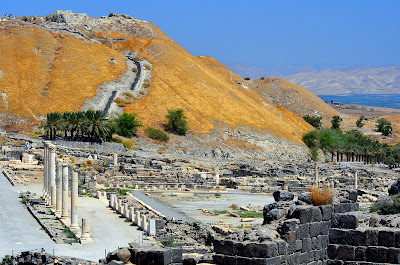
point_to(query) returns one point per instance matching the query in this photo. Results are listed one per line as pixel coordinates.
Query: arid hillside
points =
(60, 62)
(42, 70)
(298, 100)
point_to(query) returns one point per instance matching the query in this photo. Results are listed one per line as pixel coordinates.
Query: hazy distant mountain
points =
(366, 80)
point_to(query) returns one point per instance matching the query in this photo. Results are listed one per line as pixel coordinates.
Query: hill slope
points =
(381, 80)
(59, 63)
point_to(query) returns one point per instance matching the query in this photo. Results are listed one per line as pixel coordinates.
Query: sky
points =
(283, 33)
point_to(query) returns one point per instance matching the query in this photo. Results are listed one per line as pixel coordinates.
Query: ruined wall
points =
(351, 242)
(304, 239)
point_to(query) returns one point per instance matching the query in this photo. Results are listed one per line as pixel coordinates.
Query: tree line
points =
(350, 146)
(95, 126)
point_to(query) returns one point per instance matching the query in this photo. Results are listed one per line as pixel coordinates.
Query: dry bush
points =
(120, 102)
(134, 70)
(128, 144)
(146, 83)
(147, 66)
(142, 92)
(138, 58)
(128, 95)
(89, 162)
(321, 196)
(72, 159)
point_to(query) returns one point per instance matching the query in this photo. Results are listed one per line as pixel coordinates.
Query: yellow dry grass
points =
(321, 196)
(45, 71)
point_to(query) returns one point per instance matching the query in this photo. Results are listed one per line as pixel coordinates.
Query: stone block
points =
(242, 249)
(316, 214)
(376, 254)
(386, 238)
(306, 245)
(334, 262)
(324, 239)
(218, 259)
(359, 253)
(222, 246)
(303, 213)
(176, 255)
(315, 243)
(261, 250)
(355, 237)
(265, 261)
(393, 256)
(304, 231)
(371, 237)
(283, 195)
(326, 212)
(343, 207)
(345, 252)
(290, 248)
(289, 230)
(315, 229)
(282, 247)
(325, 227)
(337, 236)
(332, 251)
(304, 258)
(397, 239)
(243, 261)
(298, 245)
(292, 259)
(345, 220)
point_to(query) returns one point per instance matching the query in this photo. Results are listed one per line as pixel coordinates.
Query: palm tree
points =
(66, 123)
(97, 124)
(52, 124)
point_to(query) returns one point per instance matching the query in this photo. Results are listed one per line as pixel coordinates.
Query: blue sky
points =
(323, 33)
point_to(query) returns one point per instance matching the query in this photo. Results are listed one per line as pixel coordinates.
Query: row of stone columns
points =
(136, 216)
(56, 180)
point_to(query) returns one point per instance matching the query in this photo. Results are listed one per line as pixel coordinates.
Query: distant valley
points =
(378, 100)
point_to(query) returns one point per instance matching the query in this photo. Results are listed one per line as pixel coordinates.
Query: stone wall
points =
(304, 239)
(351, 242)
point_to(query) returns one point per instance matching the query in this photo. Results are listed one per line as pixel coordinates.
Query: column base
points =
(85, 241)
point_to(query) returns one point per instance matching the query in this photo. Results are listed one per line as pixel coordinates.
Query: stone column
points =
(53, 175)
(45, 160)
(126, 210)
(115, 159)
(137, 217)
(59, 188)
(65, 180)
(143, 224)
(74, 201)
(85, 230)
(356, 180)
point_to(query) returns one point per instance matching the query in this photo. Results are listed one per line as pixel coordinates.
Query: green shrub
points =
(157, 134)
(127, 144)
(126, 124)
(177, 122)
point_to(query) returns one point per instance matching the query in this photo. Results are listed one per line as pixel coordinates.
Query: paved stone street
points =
(19, 231)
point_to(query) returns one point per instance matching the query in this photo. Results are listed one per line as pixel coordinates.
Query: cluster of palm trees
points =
(351, 146)
(89, 125)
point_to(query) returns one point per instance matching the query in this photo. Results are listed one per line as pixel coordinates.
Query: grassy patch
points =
(220, 212)
(249, 214)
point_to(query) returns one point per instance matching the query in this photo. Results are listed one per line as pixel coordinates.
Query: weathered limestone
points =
(64, 213)
(45, 169)
(85, 237)
(126, 211)
(53, 175)
(137, 218)
(143, 224)
(59, 188)
(115, 159)
(74, 201)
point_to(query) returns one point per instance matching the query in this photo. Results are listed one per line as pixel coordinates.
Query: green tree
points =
(51, 124)
(315, 122)
(336, 122)
(127, 124)
(387, 129)
(177, 122)
(360, 122)
(97, 126)
(382, 123)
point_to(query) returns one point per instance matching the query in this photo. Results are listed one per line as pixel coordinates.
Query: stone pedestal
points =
(151, 227)
(74, 201)
(64, 211)
(132, 214)
(85, 237)
(112, 200)
(126, 211)
(137, 217)
(143, 224)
